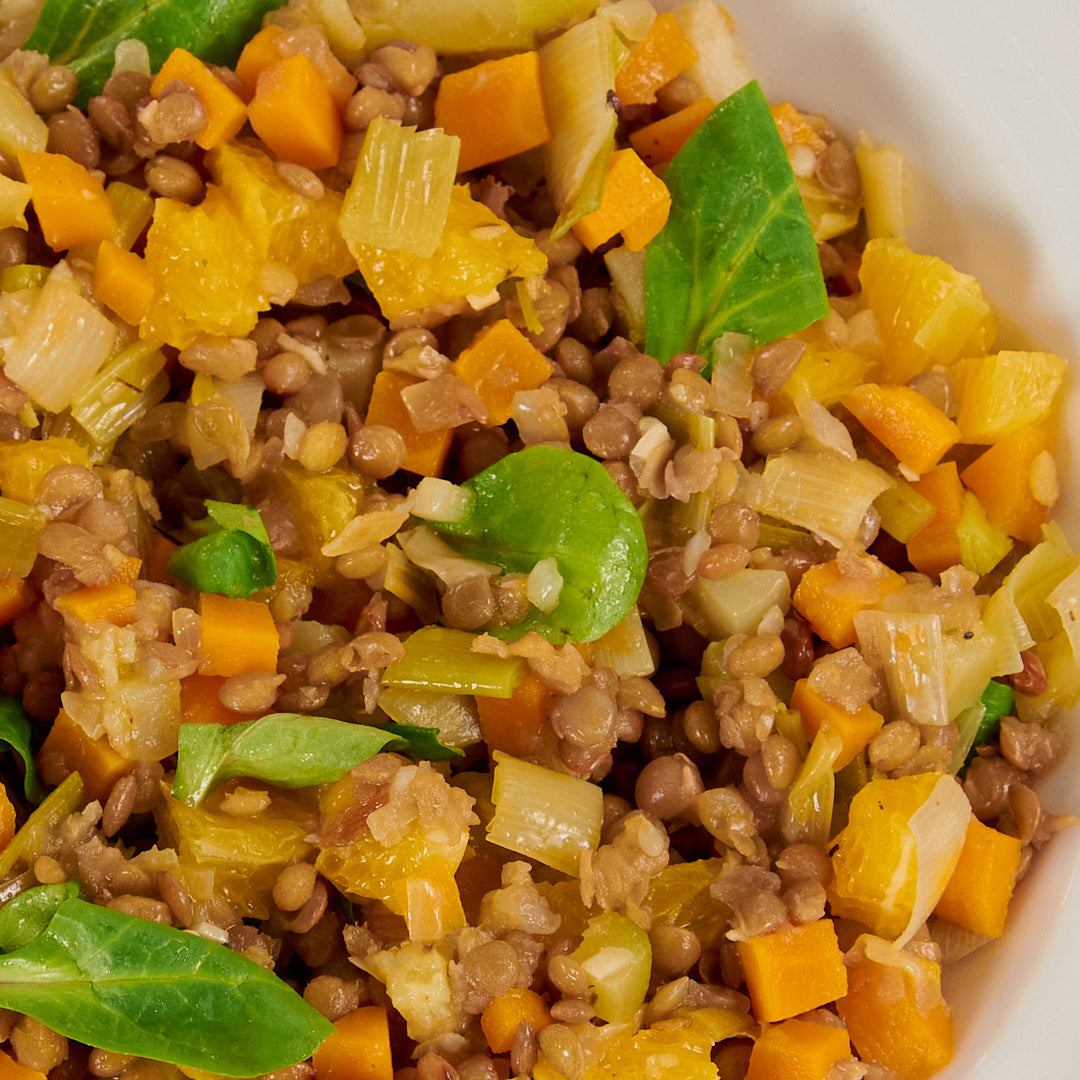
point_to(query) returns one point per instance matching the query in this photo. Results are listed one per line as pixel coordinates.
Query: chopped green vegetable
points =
(291, 750)
(25, 917)
(737, 253)
(548, 503)
(83, 34)
(997, 701)
(133, 986)
(31, 839)
(439, 659)
(616, 955)
(15, 731)
(234, 558)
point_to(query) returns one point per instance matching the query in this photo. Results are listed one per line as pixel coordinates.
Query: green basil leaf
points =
(15, 731)
(423, 742)
(234, 558)
(737, 253)
(545, 502)
(290, 750)
(83, 34)
(133, 986)
(25, 917)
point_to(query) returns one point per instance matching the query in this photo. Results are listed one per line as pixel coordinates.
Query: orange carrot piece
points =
(10, 1069)
(295, 114)
(661, 140)
(273, 43)
(17, 597)
(895, 1021)
(498, 362)
(237, 636)
(67, 749)
(635, 202)
(71, 205)
(978, 893)
(114, 603)
(829, 601)
(425, 451)
(793, 971)
(7, 818)
(514, 724)
(123, 282)
(797, 1050)
(855, 729)
(200, 702)
(1001, 479)
(936, 547)
(911, 427)
(496, 108)
(795, 129)
(499, 1021)
(225, 110)
(359, 1049)
(663, 53)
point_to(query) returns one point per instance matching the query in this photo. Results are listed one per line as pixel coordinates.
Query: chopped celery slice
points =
(33, 839)
(23, 276)
(809, 807)
(982, 543)
(617, 956)
(400, 192)
(1033, 580)
(627, 270)
(625, 648)
(60, 344)
(543, 814)
(903, 510)
(735, 605)
(442, 660)
(19, 526)
(907, 651)
(129, 384)
(823, 492)
(577, 72)
(453, 715)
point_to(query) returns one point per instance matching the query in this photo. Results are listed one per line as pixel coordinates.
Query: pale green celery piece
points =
(625, 648)
(829, 216)
(982, 543)
(60, 345)
(777, 536)
(543, 814)
(405, 580)
(616, 955)
(788, 722)
(808, 812)
(824, 492)
(907, 651)
(736, 605)
(528, 308)
(577, 72)
(701, 430)
(33, 837)
(453, 715)
(133, 209)
(714, 669)
(967, 727)
(992, 650)
(465, 26)
(1032, 581)
(439, 659)
(23, 276)
(903, 510)
(127, 386)
(627, 270)
(400, 192)
(19, 526)
(1065, 600)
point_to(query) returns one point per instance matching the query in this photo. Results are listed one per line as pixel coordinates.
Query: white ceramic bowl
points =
(983, 97)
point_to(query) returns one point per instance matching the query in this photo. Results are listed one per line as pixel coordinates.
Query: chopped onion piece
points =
(435, 499)
(543, 585)
(625, 648)
(433, 554)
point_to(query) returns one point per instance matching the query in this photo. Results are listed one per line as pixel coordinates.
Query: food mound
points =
(510, 565)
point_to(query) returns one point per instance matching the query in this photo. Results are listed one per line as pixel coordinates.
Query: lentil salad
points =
(673, 790)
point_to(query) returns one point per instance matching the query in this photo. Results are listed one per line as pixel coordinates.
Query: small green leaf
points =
(15, 731)
(133, 986)
(423, 742)
(545, 502)
(291, 750)
(738, 253)
(234, 558)
(25, 917)
(83, 34)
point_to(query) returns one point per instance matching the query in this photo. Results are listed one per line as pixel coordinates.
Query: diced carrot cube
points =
(425, 451)
(797, 1050)
(635, 202)
(663, 53)
(67, 749)
(936, 546)
(661, 140)
(71, 205)
(123, 282)
(359, 1049)
(499, 1021)
(236, 636)
(855, 729)
(225, 110)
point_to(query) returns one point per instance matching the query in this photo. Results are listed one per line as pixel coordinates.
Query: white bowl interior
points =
(980, 95)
